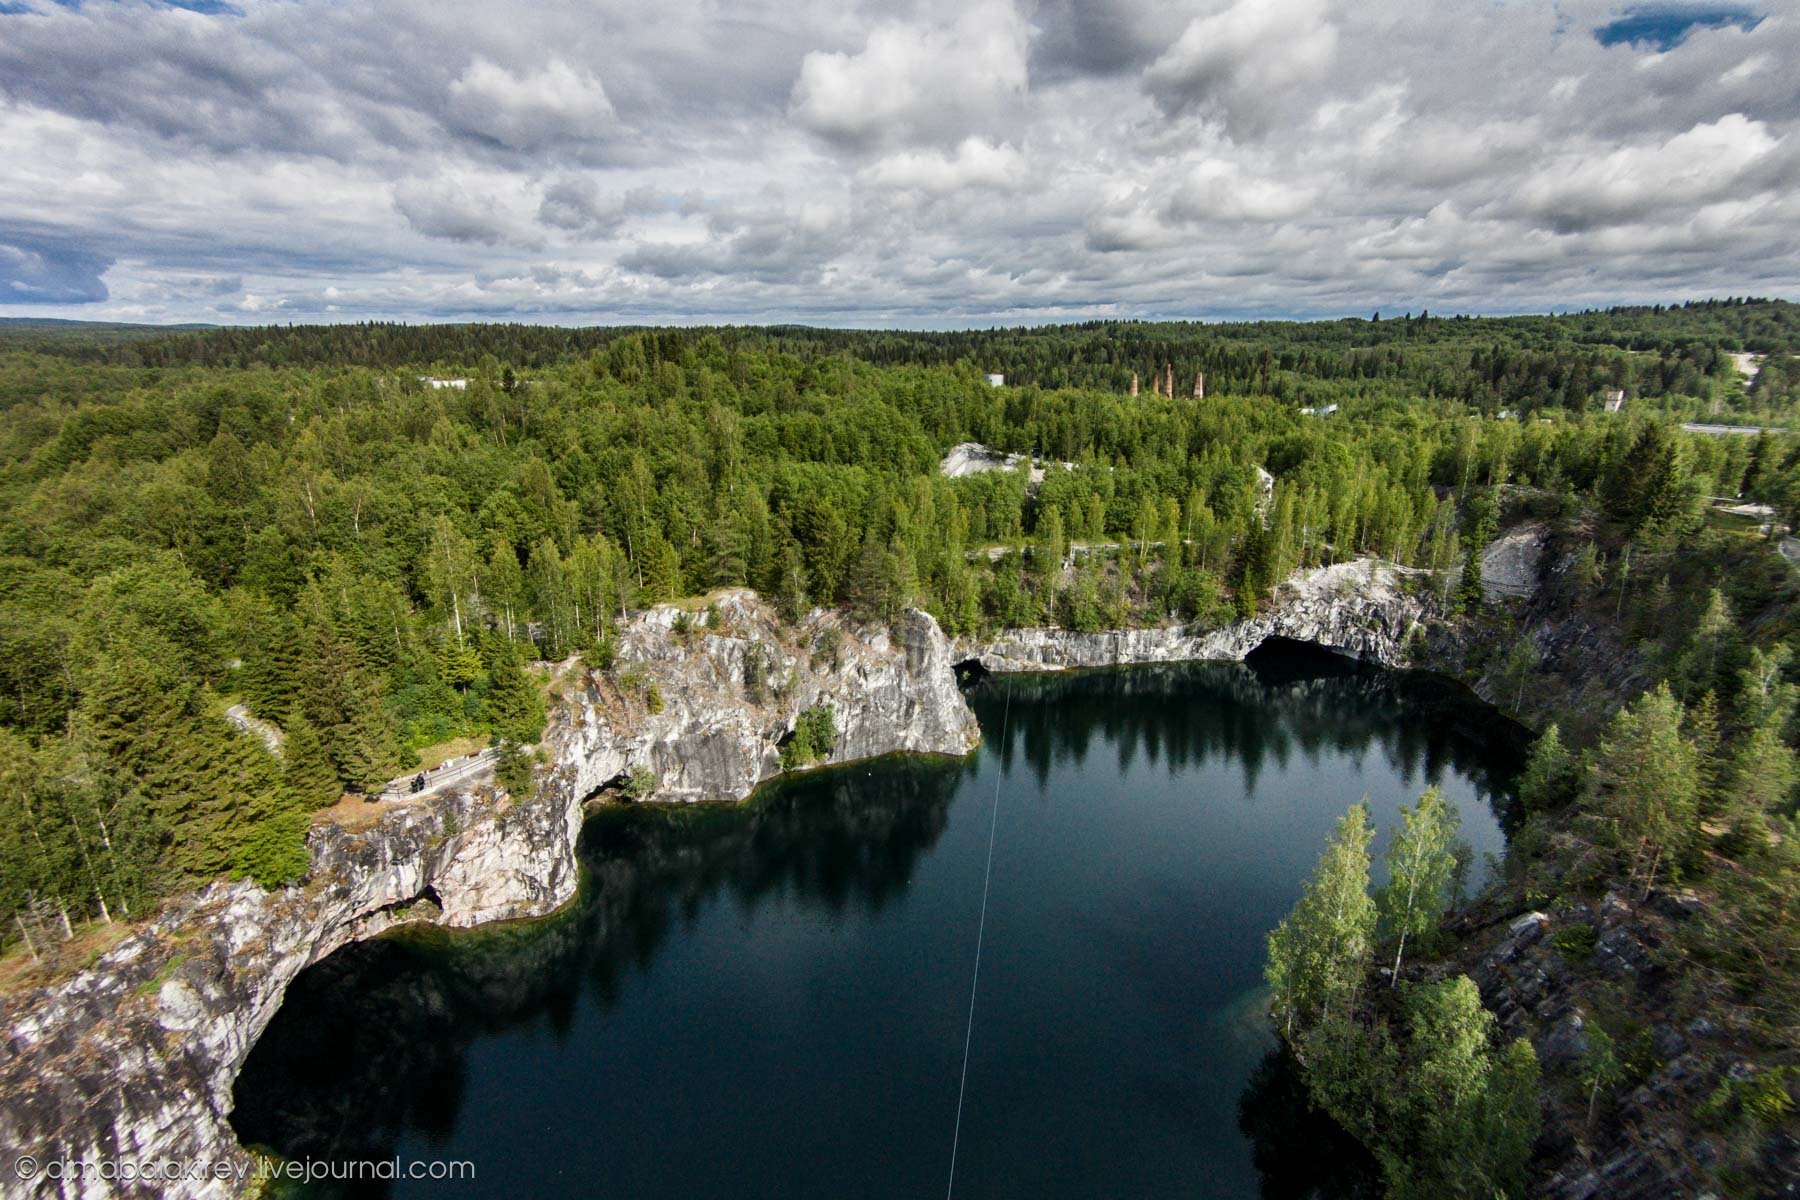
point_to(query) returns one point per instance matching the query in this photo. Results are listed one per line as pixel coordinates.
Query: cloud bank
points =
(910, 163)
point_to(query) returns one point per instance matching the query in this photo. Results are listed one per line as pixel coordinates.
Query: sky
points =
(933, 164)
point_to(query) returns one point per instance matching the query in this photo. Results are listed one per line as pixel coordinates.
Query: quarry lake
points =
(769, 1000)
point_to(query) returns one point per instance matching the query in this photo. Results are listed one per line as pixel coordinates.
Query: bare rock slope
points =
(1365, 609)
(133, 1058)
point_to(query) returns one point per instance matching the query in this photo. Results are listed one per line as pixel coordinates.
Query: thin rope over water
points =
(980, 932)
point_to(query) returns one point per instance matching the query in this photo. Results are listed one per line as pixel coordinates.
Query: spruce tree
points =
(1551, 778)
(307, 770)
(512, 704)
(366, 747)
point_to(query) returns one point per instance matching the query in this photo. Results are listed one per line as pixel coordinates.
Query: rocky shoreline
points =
(133, 1058)
(1363, 610)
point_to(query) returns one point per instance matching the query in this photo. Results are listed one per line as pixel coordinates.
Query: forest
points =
(368, 562)
(309, 526)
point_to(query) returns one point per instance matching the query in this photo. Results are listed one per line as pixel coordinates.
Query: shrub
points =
(814, 736)
(639, 784)
(1576, 942)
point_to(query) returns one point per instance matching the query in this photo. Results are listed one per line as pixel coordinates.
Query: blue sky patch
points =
(1665, 25)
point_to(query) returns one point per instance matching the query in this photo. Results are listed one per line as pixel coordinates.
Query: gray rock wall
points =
(133, 1059)
(1364, 609)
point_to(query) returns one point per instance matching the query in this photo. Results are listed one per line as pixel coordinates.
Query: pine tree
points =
(1551, 777)
(1649, 782)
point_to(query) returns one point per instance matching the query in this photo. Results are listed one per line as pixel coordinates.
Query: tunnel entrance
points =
(1283, 660)
(970, 670)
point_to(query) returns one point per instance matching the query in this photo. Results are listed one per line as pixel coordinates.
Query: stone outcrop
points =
(1512, 563)
(133, 1059)
(725, 702)
(1551, 977)
(1365, 610)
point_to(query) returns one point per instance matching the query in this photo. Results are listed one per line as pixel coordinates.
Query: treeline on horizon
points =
(1517, 361)
(368, 563)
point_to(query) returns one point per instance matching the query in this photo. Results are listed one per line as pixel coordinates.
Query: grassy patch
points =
(153, 985)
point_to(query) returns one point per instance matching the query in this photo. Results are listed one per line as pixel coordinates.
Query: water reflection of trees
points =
(370, 1042)
(1184, 715)
(1300, 1153)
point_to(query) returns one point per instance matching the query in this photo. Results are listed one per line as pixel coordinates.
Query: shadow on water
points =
(380, 1048)
(1289, 700)
(370, 1042)
(1300, 1153)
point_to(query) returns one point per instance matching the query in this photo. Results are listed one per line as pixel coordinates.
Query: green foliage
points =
(1552, 776)
(306, 768)
(1320, 953)
(274, 854)
(1761, 1099)
(814, 736)
(639, 784)
(1421, 859)
(286, 516)
(1445, 1111)
(513, 768)
(1574, 942)
(1647, 779)
(1650, 488)
(511, 702)
(1600, 1067)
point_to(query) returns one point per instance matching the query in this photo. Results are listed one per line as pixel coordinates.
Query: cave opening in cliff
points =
(1283, 660)
(970, 670)
(617, 787)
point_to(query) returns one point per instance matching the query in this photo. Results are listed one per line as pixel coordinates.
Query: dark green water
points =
(769, 1000)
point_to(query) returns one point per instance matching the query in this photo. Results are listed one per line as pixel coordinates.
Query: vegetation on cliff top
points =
(296, 520)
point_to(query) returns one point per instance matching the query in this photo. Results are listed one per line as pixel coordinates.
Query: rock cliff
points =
(133, 1058)
(726, 697)
(1365, 609)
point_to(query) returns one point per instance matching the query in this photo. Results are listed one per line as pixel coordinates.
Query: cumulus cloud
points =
(766, 245)
(1246, 64)
(912, 83)
(920, 162)
(975, 164)
(444, 207)
(530, 109)
(578, 205)
(1219, 190)
(1710, 162)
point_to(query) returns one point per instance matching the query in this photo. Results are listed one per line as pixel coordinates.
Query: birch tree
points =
(1320, 952)
(1421, 863)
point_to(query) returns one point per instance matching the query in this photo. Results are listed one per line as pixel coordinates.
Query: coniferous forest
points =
(305, 527)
